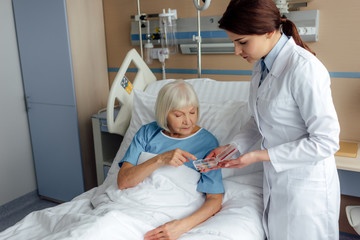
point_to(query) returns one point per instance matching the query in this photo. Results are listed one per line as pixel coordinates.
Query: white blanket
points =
(168, 193)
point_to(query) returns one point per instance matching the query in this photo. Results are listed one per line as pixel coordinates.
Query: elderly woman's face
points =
(181, 122)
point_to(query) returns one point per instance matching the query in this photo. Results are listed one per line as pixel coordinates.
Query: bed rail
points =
(121, 90)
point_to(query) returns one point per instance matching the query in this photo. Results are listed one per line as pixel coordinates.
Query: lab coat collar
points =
(282, 58)
(279, 66)
(270, 58)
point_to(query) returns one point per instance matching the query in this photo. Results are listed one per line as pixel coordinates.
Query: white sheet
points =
(128, 214)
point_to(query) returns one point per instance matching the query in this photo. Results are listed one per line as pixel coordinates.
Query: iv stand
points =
(198, 37)
(198, 43)
(140, 31)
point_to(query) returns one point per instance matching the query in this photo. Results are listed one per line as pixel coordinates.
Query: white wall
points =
(17, 175)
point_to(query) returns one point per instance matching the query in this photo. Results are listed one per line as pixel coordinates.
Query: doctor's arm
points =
(245, 140)
(174, 229)
(247, 137)
(246, 159)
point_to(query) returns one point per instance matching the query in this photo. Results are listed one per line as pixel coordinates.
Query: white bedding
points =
(128, 214)
(106, 212)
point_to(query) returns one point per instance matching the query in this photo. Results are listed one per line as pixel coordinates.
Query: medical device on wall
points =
(162, 32)
(167, 27)
(167, 30)
(286, 6)
(167, 22)
(307, 22)
(148, 46)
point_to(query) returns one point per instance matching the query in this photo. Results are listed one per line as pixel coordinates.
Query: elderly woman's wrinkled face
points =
(181, 122)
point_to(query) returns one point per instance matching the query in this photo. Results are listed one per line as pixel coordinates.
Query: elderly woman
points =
(177, 140)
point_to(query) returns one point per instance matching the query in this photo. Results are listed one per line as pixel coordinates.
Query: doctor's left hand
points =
(170, 231)
(246, 159)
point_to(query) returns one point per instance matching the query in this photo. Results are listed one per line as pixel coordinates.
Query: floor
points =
(16, 210)
(347, 236)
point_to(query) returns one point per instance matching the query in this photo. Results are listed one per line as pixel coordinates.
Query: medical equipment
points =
(226, 154)
(282, 5)
(167, 22)
(148, 45)
(212, 40)
(164, 33)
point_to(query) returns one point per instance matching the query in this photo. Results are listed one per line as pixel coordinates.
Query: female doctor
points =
(294, 116)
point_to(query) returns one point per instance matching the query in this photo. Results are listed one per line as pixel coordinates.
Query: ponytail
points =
(289, 29)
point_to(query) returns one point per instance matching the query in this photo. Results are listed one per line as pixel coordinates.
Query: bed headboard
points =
(121, 90)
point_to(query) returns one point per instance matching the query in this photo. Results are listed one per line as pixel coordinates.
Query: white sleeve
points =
(248, 136)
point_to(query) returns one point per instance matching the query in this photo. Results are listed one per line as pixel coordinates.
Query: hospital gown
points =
(150, 138)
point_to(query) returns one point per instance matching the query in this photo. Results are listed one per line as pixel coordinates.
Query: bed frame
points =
(124, 94)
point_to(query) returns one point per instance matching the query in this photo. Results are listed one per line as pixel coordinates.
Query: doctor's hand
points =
(216, 152)
(169, 231)
(246, 159)
(213, 154)
(175, 158)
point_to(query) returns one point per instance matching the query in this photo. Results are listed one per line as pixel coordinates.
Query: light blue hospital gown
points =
(150, 139)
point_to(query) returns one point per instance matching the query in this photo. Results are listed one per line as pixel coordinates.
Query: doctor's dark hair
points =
(257, 17)
(172, 96)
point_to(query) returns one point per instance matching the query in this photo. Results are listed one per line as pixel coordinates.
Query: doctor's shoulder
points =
(308, 72)
(303, 57)
(305, 63)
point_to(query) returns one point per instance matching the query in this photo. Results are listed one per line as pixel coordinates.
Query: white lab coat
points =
(293, 113)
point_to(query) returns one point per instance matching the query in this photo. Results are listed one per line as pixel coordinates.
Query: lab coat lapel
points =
(255, 89)
(276, 70)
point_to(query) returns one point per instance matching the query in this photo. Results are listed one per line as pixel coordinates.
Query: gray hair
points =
(173, 96)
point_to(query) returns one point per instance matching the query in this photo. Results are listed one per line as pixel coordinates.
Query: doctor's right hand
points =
(213, 154)
(216, 152)
(246, 159)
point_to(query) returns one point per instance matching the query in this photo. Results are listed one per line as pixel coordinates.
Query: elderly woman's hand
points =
(169, 231)
(176, 157)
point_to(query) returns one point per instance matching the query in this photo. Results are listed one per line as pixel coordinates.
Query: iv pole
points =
(198, 37)
(140, 31)
(198, 42)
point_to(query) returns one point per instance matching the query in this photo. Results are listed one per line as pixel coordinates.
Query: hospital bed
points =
(105, 212)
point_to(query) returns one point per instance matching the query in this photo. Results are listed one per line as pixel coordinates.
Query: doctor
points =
(294, 116)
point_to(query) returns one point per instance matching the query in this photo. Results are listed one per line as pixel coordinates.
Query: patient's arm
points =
(175, 228)
(130, 175)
